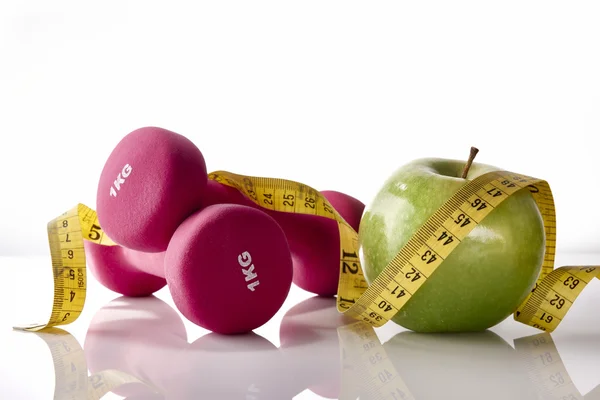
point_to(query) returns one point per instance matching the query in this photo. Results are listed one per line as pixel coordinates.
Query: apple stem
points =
(474, 151)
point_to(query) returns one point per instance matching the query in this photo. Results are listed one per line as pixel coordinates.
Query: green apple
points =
(485, 278)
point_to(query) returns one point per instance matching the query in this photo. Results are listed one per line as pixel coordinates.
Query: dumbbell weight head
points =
(152, 180)
(229, 268)
(128, 272)
(218, 193)
(314, 240)
(315, 243)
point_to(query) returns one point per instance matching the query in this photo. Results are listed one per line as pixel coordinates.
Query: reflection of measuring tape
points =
(369, 368)
(545, 368)
(544, 308)
(71, 375)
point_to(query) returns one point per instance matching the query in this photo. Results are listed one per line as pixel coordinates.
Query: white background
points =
(335, 94)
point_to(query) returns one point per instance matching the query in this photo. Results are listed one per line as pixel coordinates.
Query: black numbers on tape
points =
(346, 268)
(67, 315)
(462, 220)
(589, 270)
(70, 254)
(414, 274)
(94, 234)
(309, 202)
(375, 316)
(428, 257)
(384, 306)
(349, 255)
(400, 293)
(478, 204)
(72, 274)
(327, 208)
(343, 301)
(494, 192)
(249, 186)
(65, 223)
(267, 199)
(571, 282)
(288, 200)
(444, 235)
(72, 296)
(557, 301)
(508, 183)
(80, 282)
(546, 317)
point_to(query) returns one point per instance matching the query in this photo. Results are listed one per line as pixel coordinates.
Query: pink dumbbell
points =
(151, 182)
(228, 266)
(314, 241)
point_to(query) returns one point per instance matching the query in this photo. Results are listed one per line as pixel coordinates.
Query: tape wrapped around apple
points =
(485, 278)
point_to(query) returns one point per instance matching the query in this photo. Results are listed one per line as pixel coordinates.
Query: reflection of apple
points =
(309, 343)
(485, 278)
(472, 365)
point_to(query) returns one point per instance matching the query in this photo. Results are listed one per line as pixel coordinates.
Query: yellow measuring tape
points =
(66, 234)
(544, 308)
(554, 292)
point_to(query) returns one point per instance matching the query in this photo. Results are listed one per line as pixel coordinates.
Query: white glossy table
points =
(297, 355)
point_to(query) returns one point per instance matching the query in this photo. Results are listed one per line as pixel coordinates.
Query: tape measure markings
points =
(545, 367)
(71, 380)
(66, 234)
(374, 372)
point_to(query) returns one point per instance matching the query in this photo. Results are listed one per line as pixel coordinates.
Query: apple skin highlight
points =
(485, 278)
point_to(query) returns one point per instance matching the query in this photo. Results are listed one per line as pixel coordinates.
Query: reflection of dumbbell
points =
(126, 326)
(145, 337)
(309, 343)
(228, 266)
